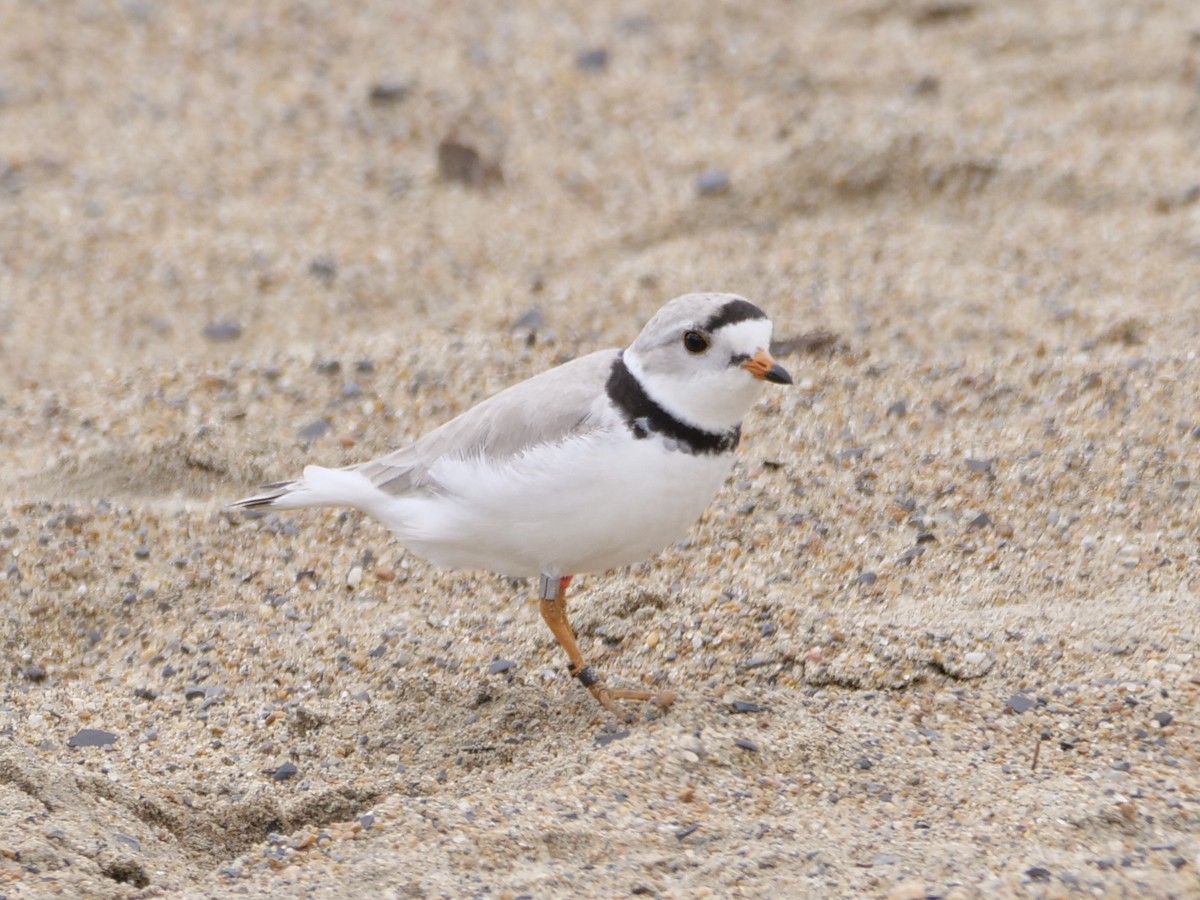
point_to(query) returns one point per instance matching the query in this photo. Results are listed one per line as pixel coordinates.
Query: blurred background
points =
(181, 181)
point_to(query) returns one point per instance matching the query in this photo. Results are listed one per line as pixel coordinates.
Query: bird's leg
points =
(553, 594)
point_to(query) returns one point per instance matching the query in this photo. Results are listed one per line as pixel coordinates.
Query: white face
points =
(699, 375)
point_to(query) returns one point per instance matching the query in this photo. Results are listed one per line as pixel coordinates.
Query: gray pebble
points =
(711, 182)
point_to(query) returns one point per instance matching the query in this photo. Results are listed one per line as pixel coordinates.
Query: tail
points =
(318, 487)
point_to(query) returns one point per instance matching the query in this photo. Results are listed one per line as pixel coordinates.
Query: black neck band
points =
(645, 417)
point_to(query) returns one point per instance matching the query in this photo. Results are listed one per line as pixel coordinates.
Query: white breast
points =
(596, 502)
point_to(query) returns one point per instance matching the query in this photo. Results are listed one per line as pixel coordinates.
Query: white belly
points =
(608, 502)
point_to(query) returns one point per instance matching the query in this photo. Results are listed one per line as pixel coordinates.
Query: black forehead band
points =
(734, 311)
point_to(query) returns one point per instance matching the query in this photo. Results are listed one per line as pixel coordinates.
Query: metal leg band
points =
(587, 676)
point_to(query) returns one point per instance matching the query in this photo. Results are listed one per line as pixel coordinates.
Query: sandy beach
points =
(938, 636)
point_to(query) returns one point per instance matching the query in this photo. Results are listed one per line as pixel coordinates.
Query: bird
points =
(593, 465)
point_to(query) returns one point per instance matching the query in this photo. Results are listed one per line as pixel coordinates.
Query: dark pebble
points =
(194, 692)
(313, 430)
(687, 830)
(979, 465)
(35, 674)
(898, 409)
(711, 182)
(367, 820)
(145, 694)
(745, 744)
(530, 321)
(926, 537)
(1121, 765)
(351, 390)
(983, 520)
(387, 93)
(284, 772)
(925, 86)
(127, 839)
(1020, 703)
(168, 671)
(378, 651)
(745, 706)
(501, 665)
(222, 332)
(323, 269)
(1164, 718)
(866, 579)
(365, 367)
(1068, 743)
(91, 737)
(863, 763)
(607, 737)
(463, 163)
(594, 60)
(142, 552)
(1037, 873)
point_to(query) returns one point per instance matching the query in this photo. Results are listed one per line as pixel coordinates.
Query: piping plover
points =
(595, 464)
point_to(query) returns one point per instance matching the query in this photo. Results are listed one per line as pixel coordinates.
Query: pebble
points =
(91, 737)
(594, 60)
(388, 92)
(313, 430)
(1020, 702)
(745, 706)
(712, 182)
(222, 332)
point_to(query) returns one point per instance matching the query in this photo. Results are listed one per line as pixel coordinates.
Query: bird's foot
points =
(607, 697)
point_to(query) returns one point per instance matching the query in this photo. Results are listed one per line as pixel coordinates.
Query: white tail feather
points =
(318, 487)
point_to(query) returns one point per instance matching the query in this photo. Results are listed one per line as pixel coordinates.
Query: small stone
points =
(607, 737)
(899, 409)
(367, 821)
(464, 163)
(1038, 873)
(323, 269)
(1020, 703)
(908, 890)
(142, 552)
(687, 831)
(983, 520)
(528, 323)
(867, 579)
(222, 332)
(284, 772)
(92, 737)
(354, 577)
(388, 93)
(711, 182)
(744, 706)
(745, 744)
(501, 665)
(313, 430)
(36, 674)
(194, 692)
(1164, 718)
(594, 60)
(982, 466)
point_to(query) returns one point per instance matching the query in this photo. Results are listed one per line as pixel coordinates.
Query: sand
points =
(938, 636)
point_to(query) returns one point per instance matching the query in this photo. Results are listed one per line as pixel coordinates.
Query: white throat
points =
(712, 401)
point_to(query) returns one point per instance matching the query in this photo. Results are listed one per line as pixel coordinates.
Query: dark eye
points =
(695, 341)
